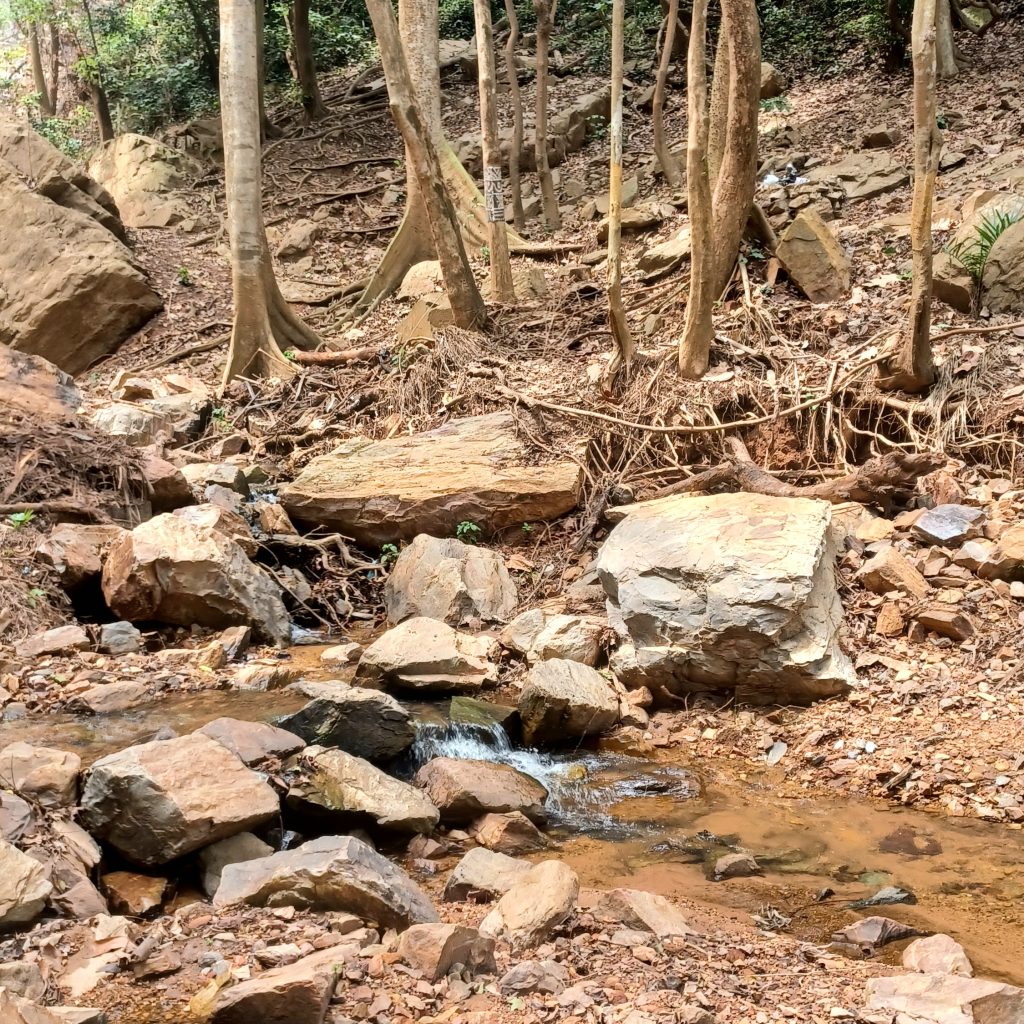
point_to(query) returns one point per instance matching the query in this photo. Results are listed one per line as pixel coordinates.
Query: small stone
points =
(889, 571)
(342, 654)
(119, 638)
(544, 976)
(889, 621)
(937, 954)
(133, 894)
(53, 641)
(512, 833)
(433, 949)
(736, 865)
(946, 621)
(949, 525)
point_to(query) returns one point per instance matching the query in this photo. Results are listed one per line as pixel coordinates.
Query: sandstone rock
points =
(434, 949)
(530, 911)
(889, 621)
(16, 1010)
(635, 221)
(119, 638)
(645, 911)
(425, 654)
(464, 790)
(1007, 560)
(874, 932)
(23, 887)
(566, 700)
(32, 387)
(133, 894)
(157, 801)
(43, 775)
(473, 469)
(1002, 284)
(298, 239)
(540, 634)
(863, 175)
(946, 621)
(949, 525)
(773, 82)
(252, 742)
(422, 280)
(545, 976)
(362, 722)
(813, 258)
(76, 551)
(952, 283)
(330, 873)
(483, 875)
(666, 256)
(24, 979)
(339, 785)
(730, 592)
(470, 711)
(110, 698)
(59, 640)
(945, 999)
(135, 423)
(17, 819)
(736, 865)
(880, 137)
(889, 571)
(168, 570)
(224, 474)
(937, 954)
(209, 517)
(235, 849)
(442, 578)
(61, 267)
(342, 654)
(513, 834)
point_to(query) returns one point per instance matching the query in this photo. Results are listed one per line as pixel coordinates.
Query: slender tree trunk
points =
(502, 287)
(35, 56)
(467, 306)
(698, 332)
(545, 10)
(625, 347)
(911, 367)
(264, 325)
(667, 162)
(208, 51)
(54, 65)
(718, 109)
(97, 92)
(268, 130)
(515, 95)
(297, 20)
(946, 63)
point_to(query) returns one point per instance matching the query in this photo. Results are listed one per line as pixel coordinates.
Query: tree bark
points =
(947, 64)
(698, 331)
(263, 322)
(45, 101)
(718, 111)
(667, 162)
(97, 93)
(502, 287)
(625, 347)
(268, 130)
(545, 11)
(206, 45)
(305, 66)
(911, 367)
(467, 306)
(54, 65)
(516, 97)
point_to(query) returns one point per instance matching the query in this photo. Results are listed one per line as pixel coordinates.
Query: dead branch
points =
(69, 508)
(328, 358)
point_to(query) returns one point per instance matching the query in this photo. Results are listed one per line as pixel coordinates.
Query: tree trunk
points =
(268, 130)
(42, 90)
(297, 20)
(947, 64)
(54, 65)
(667, 162)
(718, 110)
(911, 367)
(208, 51)
(467, 305)
(97, 93)
(698, 332)
(515, 183)
(734, 180)
(502, 288)
(263, 323)
(625, 347)
(545, 11)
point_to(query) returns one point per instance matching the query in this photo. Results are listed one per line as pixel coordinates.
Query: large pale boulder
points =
(158, 801)
(76, 551)
(484, 875)
(530, 911)
(235, 849)
(44, 775)
(337, 785)
(730, 592)
(24, 886)
(463, 790)
(471, 470)
(566, 700)
(773, 82)
(61, 267)
(330, 873)
(937, 954)
(945, 999)
(541, 634)
(1002, 284)
(139, 172)
(169, 570)
(813, 259)
(442, 578)
(363, 722)
(428, 655)
(863, 175)
(642, 911)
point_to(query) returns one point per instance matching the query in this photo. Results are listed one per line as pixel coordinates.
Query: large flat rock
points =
(473, 470)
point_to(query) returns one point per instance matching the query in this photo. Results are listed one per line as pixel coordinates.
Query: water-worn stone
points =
(443, 578)
(43, 775)
(483, 875)
(945, 999)
(473, 469)
(24, 887)
(485, 713)
(61, 267)
(566, 700)
(528, 976)
(339, 785)
(890, 571)
(425, 654)
(512, 833)
(732, 592)
(59, 640)
(119, 638)
(937, 954)
(540, 634)
(330, 873)
(252, 742)
(133, 894)
(342, 654)
(168, 570)
(644, 911)
(157, 801)
(236, 849)
(366, 723)
(874, 932)
(736, 865)
(530, 911)
(949, 525)
(76, 551)
(463, 790)
(434, 949)
(813, 258)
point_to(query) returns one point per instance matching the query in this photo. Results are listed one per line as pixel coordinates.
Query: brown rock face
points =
(58, 640)
(433, 949)
(512, 834)
(133, 894)
(169, 570)
(773, 82)
(889, 571)
(464, 790)
(473, 470)
(252, 742)
(33, 387)
(528, 913)
(24, 887)
(46, 776)
(813, 258)
(76, 550)
(484, 875)
(564, 699)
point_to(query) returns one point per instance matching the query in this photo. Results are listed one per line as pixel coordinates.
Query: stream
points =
(661, 824)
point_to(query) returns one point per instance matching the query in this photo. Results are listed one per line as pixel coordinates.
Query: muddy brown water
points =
(659, 826)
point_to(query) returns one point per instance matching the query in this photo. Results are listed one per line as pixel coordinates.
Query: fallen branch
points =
(990, 329)
(71, 508)
(329, 358)
(184, 353)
